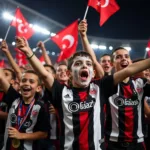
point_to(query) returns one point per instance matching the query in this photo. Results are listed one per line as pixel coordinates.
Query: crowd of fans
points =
(80, 104)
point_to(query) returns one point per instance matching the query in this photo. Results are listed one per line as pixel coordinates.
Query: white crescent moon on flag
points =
(20, 28)
(106, 4)
(70, 38)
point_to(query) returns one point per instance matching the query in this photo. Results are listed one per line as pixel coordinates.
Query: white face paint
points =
(82, 71)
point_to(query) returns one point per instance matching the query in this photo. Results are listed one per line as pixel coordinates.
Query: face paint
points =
(82, 70)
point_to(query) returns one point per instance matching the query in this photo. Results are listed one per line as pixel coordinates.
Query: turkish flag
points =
(21, 58)
(67, 41)
(23, 29)
(106, 8)
(2, 64)
(148, 45)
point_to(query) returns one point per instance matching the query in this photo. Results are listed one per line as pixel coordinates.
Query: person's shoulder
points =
(141, 81)
(39, 102)
(102, 79)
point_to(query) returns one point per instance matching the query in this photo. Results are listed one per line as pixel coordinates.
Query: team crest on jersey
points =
(139, 90)
(13, 118)
(74, 107)
(27, 124)
(119, 101)
(34, 113)
(93, 92)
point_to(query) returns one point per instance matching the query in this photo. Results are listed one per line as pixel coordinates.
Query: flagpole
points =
(43, 43)
(145, 55)
(8, 29)
(7, 32)
(87, 8)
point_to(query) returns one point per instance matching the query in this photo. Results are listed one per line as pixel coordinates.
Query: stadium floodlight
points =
(7, 16)
(94, 46)
(53, 53)
(34, 49)
(102, 47)
(53, 34)
(31, 25)
(147, 49)
(128, 48)
(13, 43)
(1, 39)
(110, 48)
(40, 29)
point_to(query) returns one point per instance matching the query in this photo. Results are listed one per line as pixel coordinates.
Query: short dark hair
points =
(105, 55)
(33, 72)
(80, 53)
(137, 60)
(51, 67)
(116, 49)
(62, 63)
(12, 73)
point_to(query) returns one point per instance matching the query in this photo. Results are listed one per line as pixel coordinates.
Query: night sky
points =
(132, 21)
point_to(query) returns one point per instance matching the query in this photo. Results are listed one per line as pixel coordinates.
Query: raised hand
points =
(41, 45)
(82, 27)
(22, 44)
(4, 46)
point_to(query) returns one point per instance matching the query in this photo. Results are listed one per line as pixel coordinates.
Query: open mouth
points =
(26, 89)
(84, 75)
(106, 67)
(124, 65)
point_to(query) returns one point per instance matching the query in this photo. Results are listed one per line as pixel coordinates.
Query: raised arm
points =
(14, 65)
(131, 70)
(86, 45)
(47, 77)
(44, 53)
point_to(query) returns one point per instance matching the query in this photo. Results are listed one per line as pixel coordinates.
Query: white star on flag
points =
(64, 46)
(98, 3)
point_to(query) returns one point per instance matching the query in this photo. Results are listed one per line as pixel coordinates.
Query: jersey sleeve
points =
(56, 93)
(42, 123)
(107, 86)
(10, 96)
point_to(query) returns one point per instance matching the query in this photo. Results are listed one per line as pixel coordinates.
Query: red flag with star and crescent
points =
(23, 28)
(148, 45)
(106, 8)
(67, 40)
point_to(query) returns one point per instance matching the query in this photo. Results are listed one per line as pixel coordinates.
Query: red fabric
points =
(67, 40)
(21, 58)
(148, 45)
(42, 60)
(84, 124)
(2, 64)
(24, 109)
(106, 8)
(129, 115)
(22, 26)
